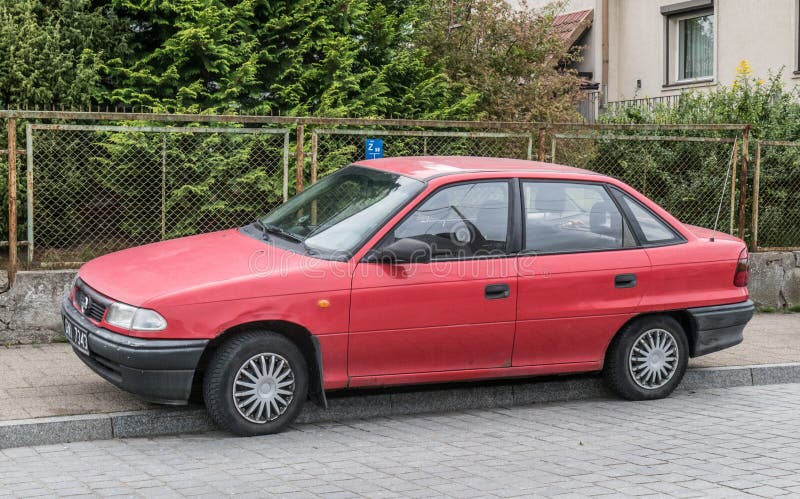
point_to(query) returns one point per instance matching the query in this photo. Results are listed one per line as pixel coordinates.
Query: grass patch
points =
(766, 309)
(795, 308)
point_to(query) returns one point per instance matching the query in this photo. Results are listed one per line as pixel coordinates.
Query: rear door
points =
(684, 274)
(582, 273)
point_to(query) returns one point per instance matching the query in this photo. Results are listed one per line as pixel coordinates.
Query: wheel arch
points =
(305, 341)
(682, 317)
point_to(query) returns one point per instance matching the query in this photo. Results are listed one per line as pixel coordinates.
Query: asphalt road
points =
(710, 443)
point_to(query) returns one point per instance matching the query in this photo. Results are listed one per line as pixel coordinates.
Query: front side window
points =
(335, 216)
(696, 47)
(563, 217)
(466, 220)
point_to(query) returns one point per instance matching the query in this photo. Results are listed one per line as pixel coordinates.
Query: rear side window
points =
(653, 230)
(565, 217)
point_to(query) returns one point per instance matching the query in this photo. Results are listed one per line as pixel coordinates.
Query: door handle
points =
(496, 291)
(625, 280)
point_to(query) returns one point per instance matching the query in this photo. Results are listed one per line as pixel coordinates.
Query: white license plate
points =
(77, 336)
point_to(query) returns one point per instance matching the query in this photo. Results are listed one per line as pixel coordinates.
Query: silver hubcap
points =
(653, 359)
(263, 388)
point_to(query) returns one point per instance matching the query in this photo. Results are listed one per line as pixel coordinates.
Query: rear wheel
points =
(256, 384)
(647, 359)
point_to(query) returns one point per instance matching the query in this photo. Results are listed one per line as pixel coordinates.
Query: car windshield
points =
(335, 216)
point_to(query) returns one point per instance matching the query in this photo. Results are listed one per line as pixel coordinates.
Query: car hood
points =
(182, 270)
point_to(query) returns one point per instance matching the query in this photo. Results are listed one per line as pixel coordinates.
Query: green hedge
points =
(773, 110)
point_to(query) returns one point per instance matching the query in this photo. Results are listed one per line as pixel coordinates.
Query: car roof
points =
(426, 167)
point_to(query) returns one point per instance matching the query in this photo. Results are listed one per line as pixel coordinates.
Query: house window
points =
(689, 37)
(797, 33)
(696, 47)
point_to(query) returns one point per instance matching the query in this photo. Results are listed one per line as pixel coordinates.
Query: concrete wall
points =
(30, 311)
(775, 278)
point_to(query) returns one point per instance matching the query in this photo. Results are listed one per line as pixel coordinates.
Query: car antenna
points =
(724, 187)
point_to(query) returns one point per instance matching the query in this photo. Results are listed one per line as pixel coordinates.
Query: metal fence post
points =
(314, 139)
(314, 207)
(12, 199)
(299, 158)
(29, 160)
(530, 147)
(286, 166)
(743, 181)
(541, 144)
(756, 186)
(644, 178)
(163, 186)
(553, 149)
(734, 157)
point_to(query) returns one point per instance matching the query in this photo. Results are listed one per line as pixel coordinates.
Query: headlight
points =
(74, 283)
(133, 318)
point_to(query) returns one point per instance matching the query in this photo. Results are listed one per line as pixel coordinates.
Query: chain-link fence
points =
(776, 196)
(691, 177)
(91, 189)
(97, 189)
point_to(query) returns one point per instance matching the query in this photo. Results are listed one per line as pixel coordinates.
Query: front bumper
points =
(719, 327)
(160, 371)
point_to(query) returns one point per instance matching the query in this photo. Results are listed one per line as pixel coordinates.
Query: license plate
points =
(77, 336)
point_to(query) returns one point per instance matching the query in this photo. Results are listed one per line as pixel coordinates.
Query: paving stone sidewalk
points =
(725, 443)
(48, 380)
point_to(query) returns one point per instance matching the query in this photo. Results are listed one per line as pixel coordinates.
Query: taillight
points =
(742, 270)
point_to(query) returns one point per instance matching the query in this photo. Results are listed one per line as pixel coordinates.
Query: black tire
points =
(620, 367)
(225, 365)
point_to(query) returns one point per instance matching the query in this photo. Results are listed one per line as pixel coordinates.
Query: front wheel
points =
(647, 359)
(256, 384)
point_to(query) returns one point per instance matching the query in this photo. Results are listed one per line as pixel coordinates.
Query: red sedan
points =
(413, 270)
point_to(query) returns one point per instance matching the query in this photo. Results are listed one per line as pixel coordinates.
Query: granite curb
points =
(379, 403)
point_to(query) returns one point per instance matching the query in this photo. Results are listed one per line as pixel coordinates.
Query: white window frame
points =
(676, 27)
(672, 43)
(797, 38)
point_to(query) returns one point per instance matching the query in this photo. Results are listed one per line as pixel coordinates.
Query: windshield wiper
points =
(267, 229)
(263, 228)
(274, 229)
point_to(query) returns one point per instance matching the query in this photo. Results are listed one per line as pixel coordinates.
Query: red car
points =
(413, 270)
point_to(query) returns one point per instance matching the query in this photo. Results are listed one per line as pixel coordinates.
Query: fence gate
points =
(94, 189)
(685, 175)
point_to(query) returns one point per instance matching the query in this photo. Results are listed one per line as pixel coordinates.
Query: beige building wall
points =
(763, 32)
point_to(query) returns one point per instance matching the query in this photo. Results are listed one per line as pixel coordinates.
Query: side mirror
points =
(406, 250)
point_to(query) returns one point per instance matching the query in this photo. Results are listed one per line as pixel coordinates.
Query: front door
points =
(456, 312)
(581, 275)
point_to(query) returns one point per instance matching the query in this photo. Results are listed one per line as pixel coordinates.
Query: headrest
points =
(604, 219)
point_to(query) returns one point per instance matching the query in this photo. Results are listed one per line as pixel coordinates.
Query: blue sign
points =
(374, 148)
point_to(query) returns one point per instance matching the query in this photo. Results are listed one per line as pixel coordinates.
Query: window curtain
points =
(697, 47)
